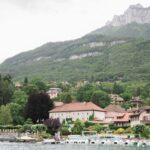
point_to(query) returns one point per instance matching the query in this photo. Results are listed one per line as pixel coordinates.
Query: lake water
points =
(36, 146)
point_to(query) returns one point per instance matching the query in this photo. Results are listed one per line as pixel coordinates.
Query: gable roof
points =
(115, 108)
(77, 106)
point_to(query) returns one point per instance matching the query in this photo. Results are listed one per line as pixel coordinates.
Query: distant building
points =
(53, 92)
(78, 110)
(18, 85)
(113, 112)
(116, 99)
(122, 120)
(57, 104)
(136, 102)
(140, 116)
(115, 108)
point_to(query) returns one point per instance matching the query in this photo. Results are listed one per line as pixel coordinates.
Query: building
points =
(116, 115)
(140, 116)
(136, 102)
(116, 99)
(54, 92)
(122, 120)
(78, 110)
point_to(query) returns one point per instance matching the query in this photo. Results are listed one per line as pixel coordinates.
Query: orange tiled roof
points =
(124, 117)
(77, 106)
(115, 108)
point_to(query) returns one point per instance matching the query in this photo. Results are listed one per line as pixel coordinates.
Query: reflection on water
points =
(29, 146)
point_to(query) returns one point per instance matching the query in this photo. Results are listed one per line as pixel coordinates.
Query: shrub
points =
(119, 131)
(65, 131)
(128, 130)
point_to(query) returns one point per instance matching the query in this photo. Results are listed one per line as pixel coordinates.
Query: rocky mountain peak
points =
(135, 13)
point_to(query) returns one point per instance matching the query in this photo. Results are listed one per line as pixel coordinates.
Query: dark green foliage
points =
(117, 89)
(6, 89)
(138, 129)
(38, 106)
(66, 97)
(84, 93)
(100, 98)
(78, 127)
(126, 96)
(25, 81)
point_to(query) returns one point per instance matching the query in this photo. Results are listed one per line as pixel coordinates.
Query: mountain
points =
(135, 13)
(107, 54)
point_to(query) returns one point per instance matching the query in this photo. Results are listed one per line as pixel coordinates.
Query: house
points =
(116, 115)
(77, 110)
(53, 92)
(140, 116)
(136, 102)
(122, 120)
(116, 99)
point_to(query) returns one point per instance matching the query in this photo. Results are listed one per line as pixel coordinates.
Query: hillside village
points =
(97, 83)
(112, 114)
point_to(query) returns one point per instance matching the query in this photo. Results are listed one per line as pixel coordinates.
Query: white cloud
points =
(26, 24)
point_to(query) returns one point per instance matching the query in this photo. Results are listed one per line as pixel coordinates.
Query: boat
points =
(49, 141)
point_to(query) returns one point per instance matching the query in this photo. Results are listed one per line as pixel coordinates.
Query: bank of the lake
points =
(39, 146)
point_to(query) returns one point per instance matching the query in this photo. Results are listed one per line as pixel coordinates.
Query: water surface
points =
(36, 146)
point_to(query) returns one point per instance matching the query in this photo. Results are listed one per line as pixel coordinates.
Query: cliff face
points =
(135, 13)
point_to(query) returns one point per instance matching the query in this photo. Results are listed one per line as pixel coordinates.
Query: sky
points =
(27, 24)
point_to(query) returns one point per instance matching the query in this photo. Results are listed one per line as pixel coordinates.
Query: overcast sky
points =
(27, 24)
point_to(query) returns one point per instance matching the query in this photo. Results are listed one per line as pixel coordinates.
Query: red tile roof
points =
(115, 108)
(77, 106)
(124, 117)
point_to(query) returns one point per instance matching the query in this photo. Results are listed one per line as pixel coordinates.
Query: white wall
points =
(82, 115)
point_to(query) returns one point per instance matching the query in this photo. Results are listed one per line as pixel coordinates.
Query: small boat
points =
(49, 141)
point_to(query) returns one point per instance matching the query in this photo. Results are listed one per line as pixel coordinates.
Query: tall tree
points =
(38, 106)
(5, 115)
(6, 89)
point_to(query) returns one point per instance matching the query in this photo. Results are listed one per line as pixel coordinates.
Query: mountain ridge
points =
(110, 53)
(135, 13)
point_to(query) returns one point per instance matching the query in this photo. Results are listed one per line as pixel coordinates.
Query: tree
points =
(17, 113)
(37, 107)
(126, 96)
(5, 115)
(52, 124)
(25, 81)
(20, 97)
(117, 89)
(84, 93)
(6, 89)
(66, 97)
(138, 129)
(100, 98)
(30, 89)
(78, 127)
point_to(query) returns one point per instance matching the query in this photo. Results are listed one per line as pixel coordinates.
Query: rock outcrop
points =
(135, 13)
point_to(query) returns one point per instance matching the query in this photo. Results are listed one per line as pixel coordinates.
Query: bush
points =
(128, 130)
(65, 131)
(88, 124)
(119, 131)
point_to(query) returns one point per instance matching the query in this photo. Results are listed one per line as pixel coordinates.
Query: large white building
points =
(78, 110)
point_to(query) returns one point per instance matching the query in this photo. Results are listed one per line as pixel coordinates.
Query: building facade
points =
(140, 116)
(78, 110)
